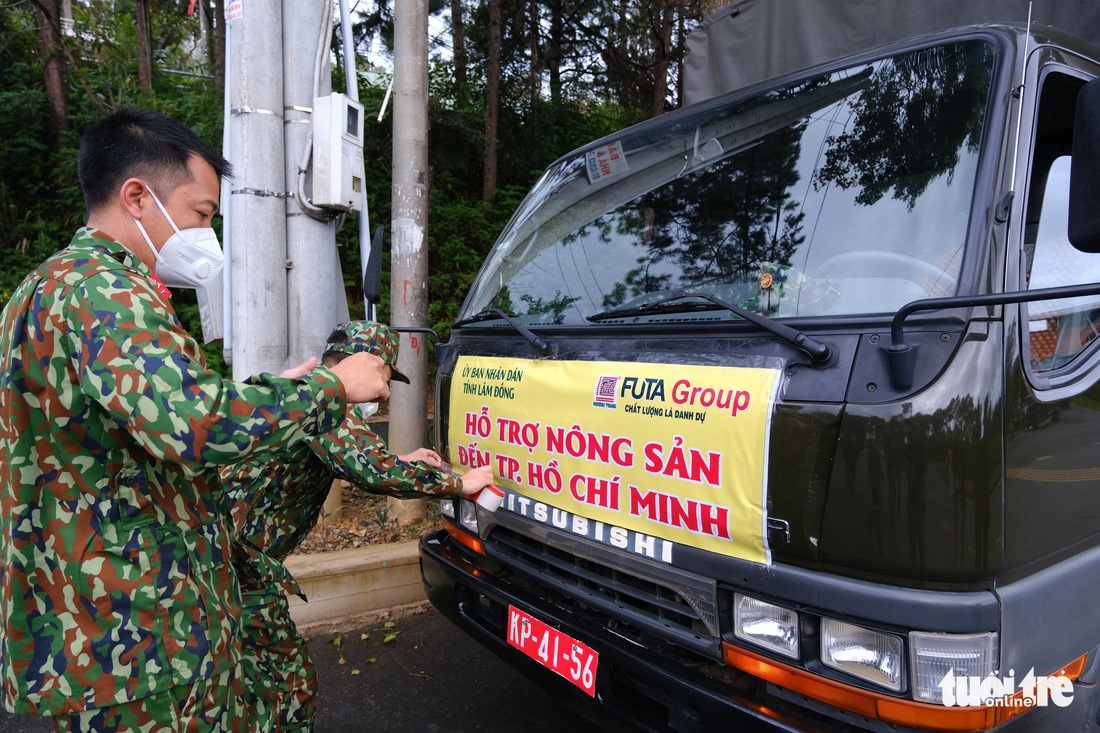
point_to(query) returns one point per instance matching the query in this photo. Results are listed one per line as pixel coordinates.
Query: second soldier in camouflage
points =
(276, 499)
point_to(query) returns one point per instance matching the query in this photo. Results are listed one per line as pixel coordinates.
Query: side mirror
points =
(1084, 177)
(372, 274)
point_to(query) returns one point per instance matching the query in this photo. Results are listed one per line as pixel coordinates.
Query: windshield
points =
(847, 193)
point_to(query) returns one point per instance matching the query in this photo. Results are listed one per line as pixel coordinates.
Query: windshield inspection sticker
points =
(606, 161)
(660, 451)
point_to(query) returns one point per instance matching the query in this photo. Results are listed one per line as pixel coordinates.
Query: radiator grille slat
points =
(593, 576)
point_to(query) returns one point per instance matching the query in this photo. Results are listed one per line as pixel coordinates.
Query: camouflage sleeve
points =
(135, 360)
(358, 455)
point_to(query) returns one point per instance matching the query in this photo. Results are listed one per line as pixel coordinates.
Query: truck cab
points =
(793, 396)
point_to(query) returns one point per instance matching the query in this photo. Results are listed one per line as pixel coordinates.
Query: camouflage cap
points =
(374, 338)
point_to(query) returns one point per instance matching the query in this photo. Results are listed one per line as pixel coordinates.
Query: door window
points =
(1060, 329)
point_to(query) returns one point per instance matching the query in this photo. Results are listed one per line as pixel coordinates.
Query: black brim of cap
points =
(396, 376)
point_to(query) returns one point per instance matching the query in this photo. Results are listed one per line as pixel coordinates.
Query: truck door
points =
(1052, 420)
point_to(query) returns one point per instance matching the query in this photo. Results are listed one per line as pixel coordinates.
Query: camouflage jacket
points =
(275, 498)
(114, 574)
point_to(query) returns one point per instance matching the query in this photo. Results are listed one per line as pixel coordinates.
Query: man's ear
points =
(132, 196)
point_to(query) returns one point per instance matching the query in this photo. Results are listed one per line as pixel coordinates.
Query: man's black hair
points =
(332, 358)
(139, 143)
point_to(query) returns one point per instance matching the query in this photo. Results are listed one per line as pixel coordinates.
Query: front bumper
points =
(636, 688)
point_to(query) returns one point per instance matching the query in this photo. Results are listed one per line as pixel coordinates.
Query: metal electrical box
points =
(338, 153)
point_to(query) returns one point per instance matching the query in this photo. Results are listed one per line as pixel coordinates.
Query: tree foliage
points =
(895, 144)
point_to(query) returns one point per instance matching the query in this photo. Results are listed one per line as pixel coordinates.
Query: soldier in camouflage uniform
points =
(275, 501)
(119, 606)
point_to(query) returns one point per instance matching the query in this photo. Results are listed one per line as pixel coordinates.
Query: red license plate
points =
(573, 660)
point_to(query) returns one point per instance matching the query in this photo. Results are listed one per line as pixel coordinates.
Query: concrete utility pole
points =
(315, 290)
(285, 288)
(408, 254)
(284, 272)
(257, 220)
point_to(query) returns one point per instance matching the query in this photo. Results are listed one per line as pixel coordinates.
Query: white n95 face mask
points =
(191, 258)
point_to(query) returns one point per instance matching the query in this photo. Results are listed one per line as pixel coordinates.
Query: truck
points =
(793, 391)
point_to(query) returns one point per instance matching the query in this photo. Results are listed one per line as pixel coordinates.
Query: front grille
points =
(677, 606)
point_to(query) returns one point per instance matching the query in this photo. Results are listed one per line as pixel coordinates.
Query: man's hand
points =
(301, 370)
(423, 454)
(476, 479)
(365, 377)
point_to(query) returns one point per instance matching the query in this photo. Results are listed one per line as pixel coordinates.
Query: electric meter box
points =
(337, 153)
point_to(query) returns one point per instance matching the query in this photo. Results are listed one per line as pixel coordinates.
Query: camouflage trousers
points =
(280, 678)
(215, 705)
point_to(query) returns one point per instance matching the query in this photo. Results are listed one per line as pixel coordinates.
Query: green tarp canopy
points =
(753, 40)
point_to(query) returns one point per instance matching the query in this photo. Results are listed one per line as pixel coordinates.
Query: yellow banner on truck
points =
(670, 451)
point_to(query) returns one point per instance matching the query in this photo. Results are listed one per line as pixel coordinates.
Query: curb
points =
(364, 581)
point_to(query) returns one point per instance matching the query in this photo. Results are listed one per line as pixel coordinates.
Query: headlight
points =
(467, 515)
(864, 653)
(447, 507)
(765, 624)
(934, 655)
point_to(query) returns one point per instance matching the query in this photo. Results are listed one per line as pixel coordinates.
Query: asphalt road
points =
(429, 678)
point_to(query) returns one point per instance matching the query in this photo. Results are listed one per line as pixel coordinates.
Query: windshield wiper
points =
(486, 314)
(818, 351)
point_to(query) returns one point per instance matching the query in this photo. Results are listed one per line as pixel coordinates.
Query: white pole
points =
(314, 289)
(353, 93)
(257, 216)
(226, 206)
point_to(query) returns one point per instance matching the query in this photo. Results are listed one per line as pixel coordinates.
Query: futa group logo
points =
(1033, 690)
(689, 400)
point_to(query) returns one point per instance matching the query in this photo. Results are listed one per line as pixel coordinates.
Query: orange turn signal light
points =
(464, 539)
